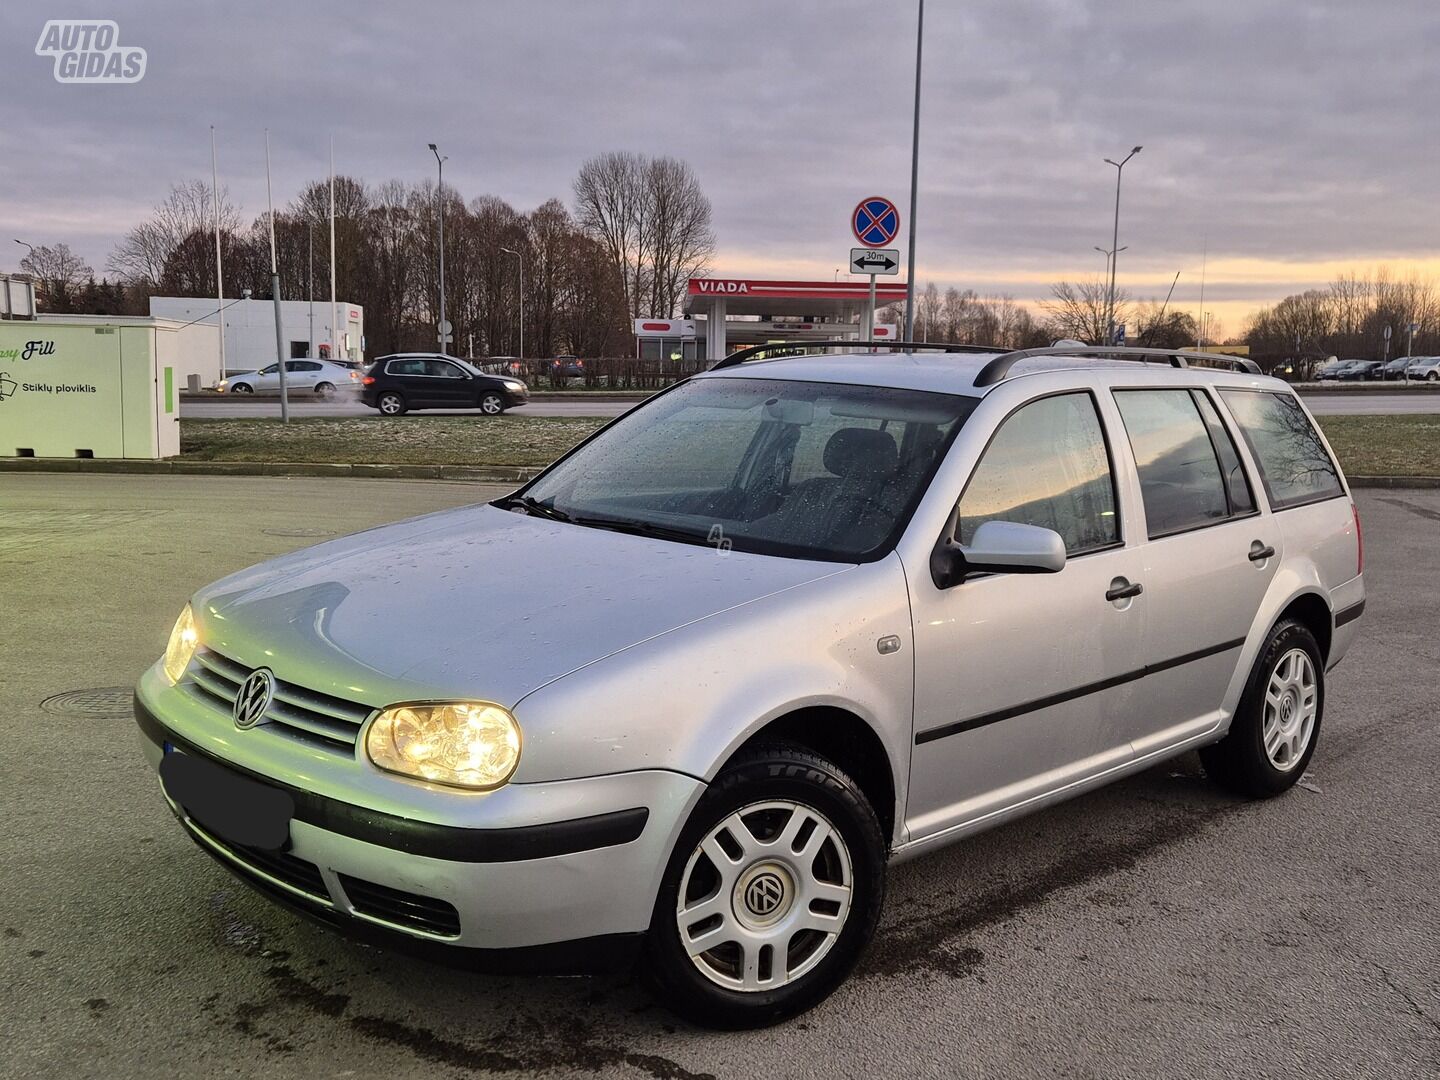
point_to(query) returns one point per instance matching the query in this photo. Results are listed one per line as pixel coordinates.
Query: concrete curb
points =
(495, 474)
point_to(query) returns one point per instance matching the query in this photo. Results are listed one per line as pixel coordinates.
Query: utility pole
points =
(1115, 247)
(521, 259)
(335, 340)
(280, 357)
(440, 206)
(914, 176)
(219, 270)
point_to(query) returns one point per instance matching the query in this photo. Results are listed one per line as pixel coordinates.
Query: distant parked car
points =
(319, 377)
(1395, 369)
(407, 381)
(1328, 370)
(1359, 371)
(563, 367)
(1425, 367)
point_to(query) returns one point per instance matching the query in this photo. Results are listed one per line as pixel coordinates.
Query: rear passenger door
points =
(410, 378)
(1209, 557)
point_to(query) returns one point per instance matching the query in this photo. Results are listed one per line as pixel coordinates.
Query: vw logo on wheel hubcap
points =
(764, 893)
(253, 698)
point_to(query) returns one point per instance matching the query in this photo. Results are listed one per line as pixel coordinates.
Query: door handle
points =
(1260, 552)
(1124, 592)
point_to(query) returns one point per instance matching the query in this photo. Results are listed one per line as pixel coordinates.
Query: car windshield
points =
(803, 469)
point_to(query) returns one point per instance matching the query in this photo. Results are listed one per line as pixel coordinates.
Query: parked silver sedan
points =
(688, 693)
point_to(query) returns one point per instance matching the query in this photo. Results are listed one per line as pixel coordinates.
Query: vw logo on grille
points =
(764, 893)
(253, 698)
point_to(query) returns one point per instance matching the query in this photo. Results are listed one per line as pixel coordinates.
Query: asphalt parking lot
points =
(1157, 928)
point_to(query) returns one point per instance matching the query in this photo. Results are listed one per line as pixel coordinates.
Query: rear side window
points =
(1047, 465)
(1184, 480)
(1294, 464)
(406, 367)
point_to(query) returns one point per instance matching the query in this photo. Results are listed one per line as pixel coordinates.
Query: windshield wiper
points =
(532, 506)
(641, 528)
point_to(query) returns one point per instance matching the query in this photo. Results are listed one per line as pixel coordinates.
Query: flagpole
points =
(275, 289)
(334, 317)
(219, 269)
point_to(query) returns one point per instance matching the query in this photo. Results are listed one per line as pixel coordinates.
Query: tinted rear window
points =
(1294, 465)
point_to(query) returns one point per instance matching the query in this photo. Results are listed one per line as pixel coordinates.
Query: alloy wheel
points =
(1291, 704)
(764, 896)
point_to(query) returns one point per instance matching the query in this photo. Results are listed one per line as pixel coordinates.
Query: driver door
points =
(1020, 679)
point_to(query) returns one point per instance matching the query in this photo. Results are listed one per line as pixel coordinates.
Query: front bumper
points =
(556, 892)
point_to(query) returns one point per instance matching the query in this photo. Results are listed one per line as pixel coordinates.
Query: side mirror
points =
(998, 547)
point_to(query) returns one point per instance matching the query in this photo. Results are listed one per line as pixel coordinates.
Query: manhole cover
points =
(297, 532)
(101, 703)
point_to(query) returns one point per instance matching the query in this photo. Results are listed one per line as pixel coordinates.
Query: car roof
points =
(955, 373)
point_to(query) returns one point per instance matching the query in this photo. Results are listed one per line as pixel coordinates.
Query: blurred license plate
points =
(232, 807)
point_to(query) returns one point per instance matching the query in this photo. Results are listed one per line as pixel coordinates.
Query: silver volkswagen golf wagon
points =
(683, 697)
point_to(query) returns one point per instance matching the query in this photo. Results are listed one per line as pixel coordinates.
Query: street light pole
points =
(440, 203)
(914, 175)
(521, 260)
(23, 244)
(1115, 237)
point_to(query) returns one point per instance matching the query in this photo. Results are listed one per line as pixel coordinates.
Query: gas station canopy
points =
(749, 311)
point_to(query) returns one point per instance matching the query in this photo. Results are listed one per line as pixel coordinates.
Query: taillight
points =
(369, 380)
(1359, 541)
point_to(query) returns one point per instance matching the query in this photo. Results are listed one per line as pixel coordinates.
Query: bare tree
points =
(59, 274)
(1081, 309)
(610, 194)
(139, 259)
(653, 219)
(677, 239)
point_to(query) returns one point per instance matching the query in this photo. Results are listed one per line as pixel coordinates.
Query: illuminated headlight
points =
(183, 641)
(469, 744)
(514, 384)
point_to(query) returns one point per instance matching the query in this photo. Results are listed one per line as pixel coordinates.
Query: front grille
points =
(408, 910)
(308, 715)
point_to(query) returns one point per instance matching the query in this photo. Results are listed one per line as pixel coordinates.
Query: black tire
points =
(324, 389)
(1434, 376)
(492, 404)
(1239, 761)
(242, 388)
(792, 774)
(391, 403)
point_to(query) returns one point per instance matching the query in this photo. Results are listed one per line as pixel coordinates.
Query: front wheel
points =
(1434, 376)
(492, 404)
(242, 388)
(771, 894)
(390, 404)
(1277, 725)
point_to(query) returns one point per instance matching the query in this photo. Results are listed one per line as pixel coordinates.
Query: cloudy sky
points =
(1289, 138)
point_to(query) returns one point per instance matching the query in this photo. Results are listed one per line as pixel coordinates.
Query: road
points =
(1155, 929)
(251, 407)
(1320, 404)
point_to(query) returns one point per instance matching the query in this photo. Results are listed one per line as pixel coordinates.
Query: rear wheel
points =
(492, 404)
(390, 403)
(1434, 376)
(771, 894)
(1277, 725)
(324, 389)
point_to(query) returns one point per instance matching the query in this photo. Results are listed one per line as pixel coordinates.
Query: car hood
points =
(477, 602)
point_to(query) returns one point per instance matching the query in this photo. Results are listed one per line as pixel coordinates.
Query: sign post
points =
(875, 222)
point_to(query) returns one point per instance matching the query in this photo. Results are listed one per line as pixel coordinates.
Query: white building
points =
(249, 325)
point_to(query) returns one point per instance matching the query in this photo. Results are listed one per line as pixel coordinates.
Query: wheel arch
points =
(846, 739)
(1312, 611)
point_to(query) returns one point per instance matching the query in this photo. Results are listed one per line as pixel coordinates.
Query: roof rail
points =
(998, 368)
(796, 348)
